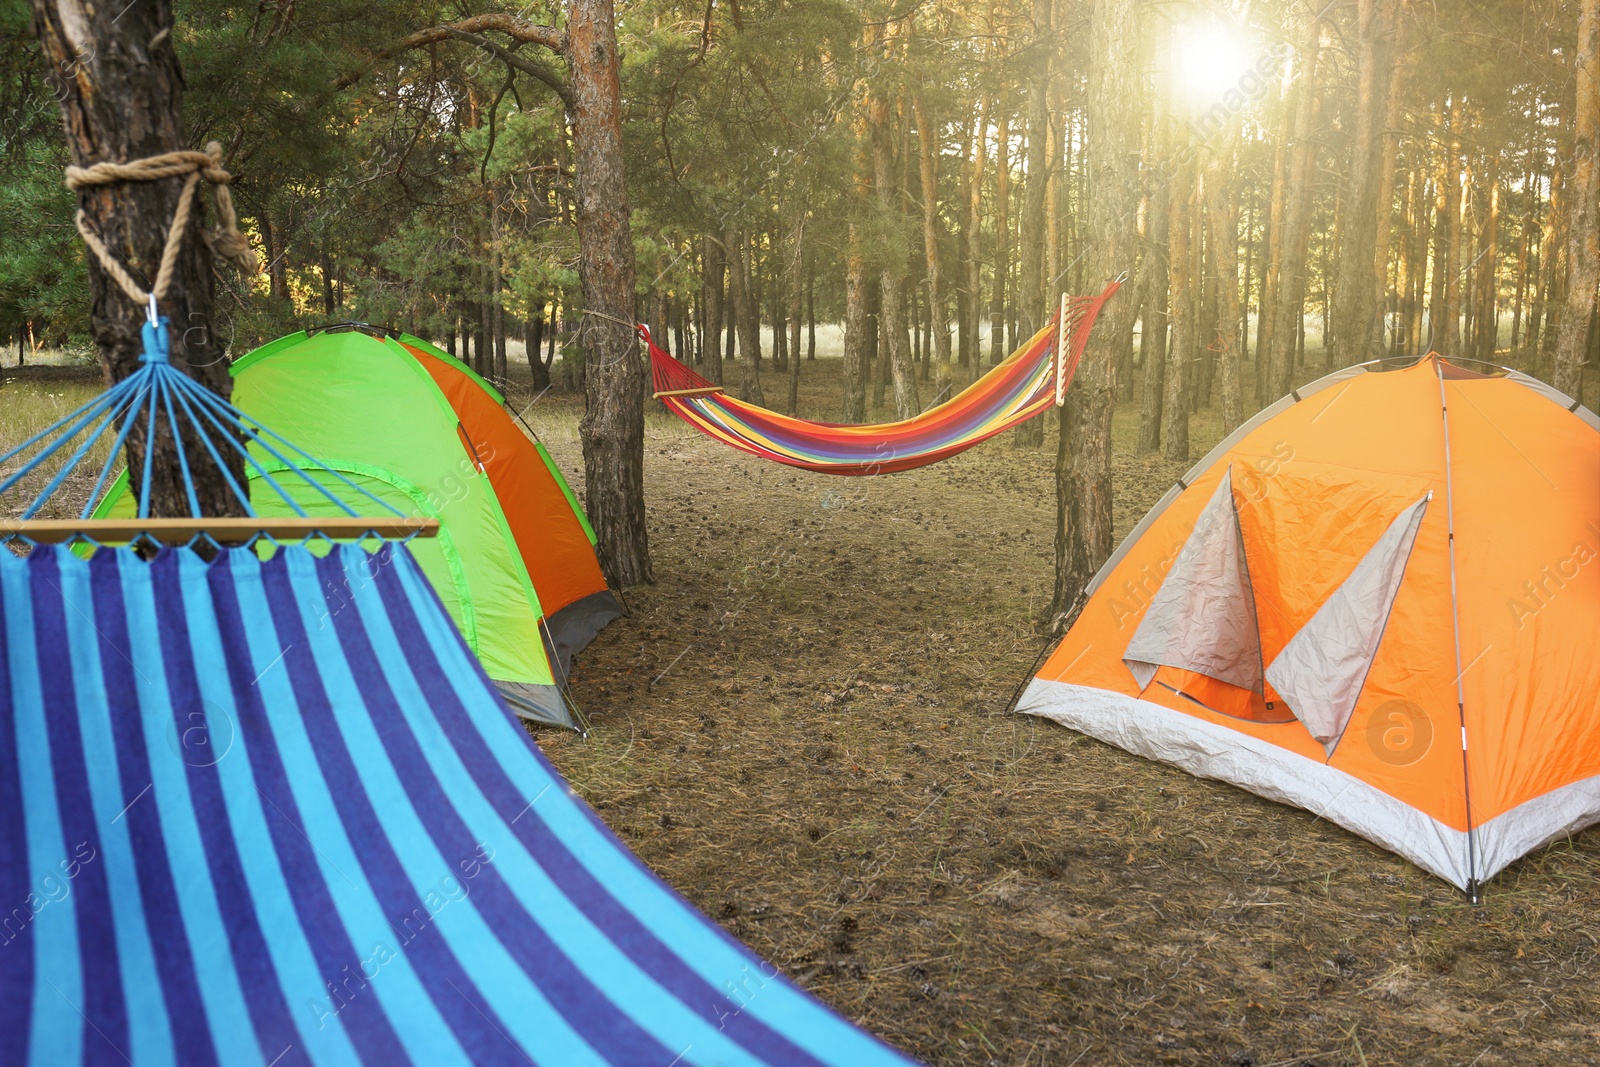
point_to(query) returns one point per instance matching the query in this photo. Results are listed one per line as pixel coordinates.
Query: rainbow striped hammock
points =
(1026, 383)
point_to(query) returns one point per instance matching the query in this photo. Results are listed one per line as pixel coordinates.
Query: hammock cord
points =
(157, 391)
(225, 240)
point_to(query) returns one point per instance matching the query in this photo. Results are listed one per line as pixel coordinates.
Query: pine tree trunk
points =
(971, 340)
(715, 272)
(811, 311)
(1030, 302)
(497, 322)
(537, 367)
(1287, 331)
(551, 336)
(1356, 319)
(325, 268)
(928, 149)
(1420, 239)
(1083, 462)
(880, 350)
(746, 318)
(797, 286)
(1486, 319)
(963, 192)
(778, 294)
(485, 364)
(856, 326)
(1549, 244)
(1272, 270)
(1222, 213)
(277, 259)
(1449, 331)
(612, 428)
(1583, 229)
(1002, 237)
(1153, 337)
(1182, 309)
(115, 75)
(780, 331)
(1530, 224)
(890, 281)
(660, 318)
(1384, 203)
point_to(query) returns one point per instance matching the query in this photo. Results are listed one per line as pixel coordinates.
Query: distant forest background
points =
(1317, 184)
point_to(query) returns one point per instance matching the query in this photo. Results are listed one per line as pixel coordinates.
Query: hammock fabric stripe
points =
(1020, 387)
(272, 812)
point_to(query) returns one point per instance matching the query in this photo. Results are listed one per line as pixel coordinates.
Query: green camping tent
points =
(514, 561)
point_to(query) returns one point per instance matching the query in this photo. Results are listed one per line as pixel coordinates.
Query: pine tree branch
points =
(470, 30)
(512, 26)
(549, 75)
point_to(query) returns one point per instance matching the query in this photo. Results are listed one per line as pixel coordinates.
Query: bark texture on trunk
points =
(716, 270)
(116, 78)
(1450, 325)
(1182, 308)
(612, 429)
(1222, 224)
(1290, 289)
(533, 344)
(1155, 285)
(1272, 266)
(1002, 233)
(795, 277)
(891, 281)
(1357, 326)
(746, 320)
(1083, 463)
(1031, 300)
(928, 150)
(497, 317)
(971, 340)
(1583, 231)
(856, 325)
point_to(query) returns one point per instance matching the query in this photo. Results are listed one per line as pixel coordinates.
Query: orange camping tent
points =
(1378, 600)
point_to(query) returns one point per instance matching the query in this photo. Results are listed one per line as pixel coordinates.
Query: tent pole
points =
(1474, 891)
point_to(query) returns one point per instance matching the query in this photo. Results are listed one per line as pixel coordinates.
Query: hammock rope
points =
(1029, 381)
(225, 240)
(166, 400)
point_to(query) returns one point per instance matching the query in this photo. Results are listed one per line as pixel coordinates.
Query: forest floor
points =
(802, 726)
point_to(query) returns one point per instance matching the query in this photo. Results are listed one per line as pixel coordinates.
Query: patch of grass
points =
(28, 406)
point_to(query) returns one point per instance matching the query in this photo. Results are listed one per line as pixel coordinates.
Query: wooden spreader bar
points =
(222, 531)
(703, 390)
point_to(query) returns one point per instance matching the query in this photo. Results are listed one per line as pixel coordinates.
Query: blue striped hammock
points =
(273, 812)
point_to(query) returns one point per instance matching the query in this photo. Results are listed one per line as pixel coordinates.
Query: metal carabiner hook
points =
(152, 310)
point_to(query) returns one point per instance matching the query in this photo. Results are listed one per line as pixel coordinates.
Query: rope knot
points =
(225, 241)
